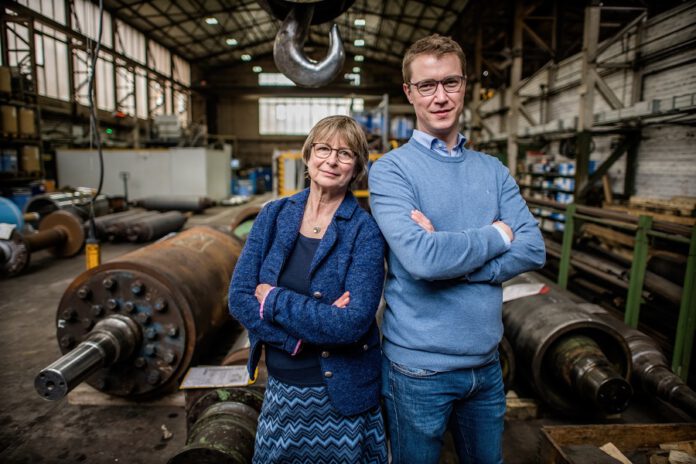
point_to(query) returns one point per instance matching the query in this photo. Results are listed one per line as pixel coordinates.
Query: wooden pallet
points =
(677, 206)
(85, 395)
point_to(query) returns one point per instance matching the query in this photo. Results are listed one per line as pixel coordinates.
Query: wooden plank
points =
(607, 235)
(687, 221)
(85, 395)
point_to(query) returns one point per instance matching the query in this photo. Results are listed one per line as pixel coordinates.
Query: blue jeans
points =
(419, 405)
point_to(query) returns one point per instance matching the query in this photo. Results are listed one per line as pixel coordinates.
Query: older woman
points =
(307, 287)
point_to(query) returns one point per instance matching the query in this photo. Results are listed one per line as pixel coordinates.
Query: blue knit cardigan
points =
(350, 257)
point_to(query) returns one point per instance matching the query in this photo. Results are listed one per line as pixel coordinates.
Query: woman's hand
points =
(421, 219)
(342, 300)
(261, 291)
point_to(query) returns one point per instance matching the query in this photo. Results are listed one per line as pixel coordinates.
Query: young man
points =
(457, 227)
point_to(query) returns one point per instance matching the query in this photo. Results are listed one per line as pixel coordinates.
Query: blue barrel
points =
(10, 213)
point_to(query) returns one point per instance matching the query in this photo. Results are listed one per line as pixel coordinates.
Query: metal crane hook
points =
(289, 56)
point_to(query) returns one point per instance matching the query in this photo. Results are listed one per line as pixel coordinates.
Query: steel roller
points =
(651, 371)
(61, 232)
(154, 227)
(171, 296)
(576, 362)
(221, 423)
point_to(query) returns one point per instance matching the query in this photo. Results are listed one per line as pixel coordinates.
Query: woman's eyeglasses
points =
(428, 87)
(323, 151)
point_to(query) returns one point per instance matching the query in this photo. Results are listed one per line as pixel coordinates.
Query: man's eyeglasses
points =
(428, 87)
(323, 151)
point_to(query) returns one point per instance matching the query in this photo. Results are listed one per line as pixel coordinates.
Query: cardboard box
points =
(31, 159)
(27, 124)
(9, 119)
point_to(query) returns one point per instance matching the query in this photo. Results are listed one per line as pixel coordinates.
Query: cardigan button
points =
(365, 347)
(317, 295)
(328, 374)
(324, 354)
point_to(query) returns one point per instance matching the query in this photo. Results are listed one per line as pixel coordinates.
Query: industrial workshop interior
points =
(151, 154)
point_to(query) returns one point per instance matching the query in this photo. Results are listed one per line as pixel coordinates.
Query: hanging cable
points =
(92, 247)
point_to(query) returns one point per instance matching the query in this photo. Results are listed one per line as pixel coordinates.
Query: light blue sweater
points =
(443, 289)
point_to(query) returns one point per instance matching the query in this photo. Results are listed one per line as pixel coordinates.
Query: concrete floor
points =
(33, 430)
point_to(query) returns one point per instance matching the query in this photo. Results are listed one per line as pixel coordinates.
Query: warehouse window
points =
(275, 79)
(296, 116)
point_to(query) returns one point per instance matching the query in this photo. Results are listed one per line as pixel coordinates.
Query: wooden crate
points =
(626, 437)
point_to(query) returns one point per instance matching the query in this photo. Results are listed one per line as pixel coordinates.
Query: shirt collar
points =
(437, 145)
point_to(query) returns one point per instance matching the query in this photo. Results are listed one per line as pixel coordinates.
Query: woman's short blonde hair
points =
(352, 134)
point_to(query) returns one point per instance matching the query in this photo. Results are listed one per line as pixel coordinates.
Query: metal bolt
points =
(169, 357)
(112, 304)
(137, 287)
(151, 333)
(87, 323)
(67, 341)
(83, 293)
(140, 362)
(130, 306)
(143, 318)
(172, 330)
(153, 377)
(109, 283)
(69, 314)
(160, 305)
(97, 310)
(150, 349)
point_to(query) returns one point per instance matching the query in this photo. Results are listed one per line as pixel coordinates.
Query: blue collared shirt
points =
(437, 145)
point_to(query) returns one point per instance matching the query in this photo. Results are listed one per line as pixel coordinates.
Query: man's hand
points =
(420, 219)
(505, 228)
(342, 300)
(261, 291)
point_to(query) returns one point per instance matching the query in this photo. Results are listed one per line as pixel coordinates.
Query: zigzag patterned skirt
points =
(298, 425)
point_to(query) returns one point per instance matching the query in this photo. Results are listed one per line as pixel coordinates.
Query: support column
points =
(587, 91)
(514, 99)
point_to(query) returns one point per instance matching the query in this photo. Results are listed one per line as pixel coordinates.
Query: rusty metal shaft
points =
(113, 339)
(581, 365)
(46, 238)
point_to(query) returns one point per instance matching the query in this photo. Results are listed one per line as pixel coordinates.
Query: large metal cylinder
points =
(61, 232)
(651, 371)
(77, 202)
(173, 203)
(174, 290)
(154, 227)
(221, 427)
(576, 362)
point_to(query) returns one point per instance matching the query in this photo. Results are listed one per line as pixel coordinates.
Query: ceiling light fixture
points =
(359, 42)
(356, 69)
(246, 57)
(231, 42)
(257, 69)
(211, 20)
(359, 22)
(359, 58)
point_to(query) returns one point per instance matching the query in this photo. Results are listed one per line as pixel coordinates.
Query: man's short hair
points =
(351, 133)
(431, 45)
